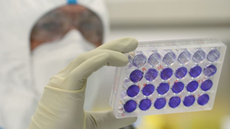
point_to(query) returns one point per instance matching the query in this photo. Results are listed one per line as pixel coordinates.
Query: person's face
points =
(55, 24)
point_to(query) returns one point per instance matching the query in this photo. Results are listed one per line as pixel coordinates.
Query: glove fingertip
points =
(130, 44)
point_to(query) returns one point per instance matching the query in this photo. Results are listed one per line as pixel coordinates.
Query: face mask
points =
(51, 57)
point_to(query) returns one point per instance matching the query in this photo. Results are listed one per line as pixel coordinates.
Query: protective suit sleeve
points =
(61, 105)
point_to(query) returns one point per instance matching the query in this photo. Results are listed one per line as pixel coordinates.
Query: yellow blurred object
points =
(152, 122)
(192, 120)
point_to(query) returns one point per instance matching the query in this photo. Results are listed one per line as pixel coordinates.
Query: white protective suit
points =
(21, 74)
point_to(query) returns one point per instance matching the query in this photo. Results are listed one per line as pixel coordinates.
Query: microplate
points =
(168, 76)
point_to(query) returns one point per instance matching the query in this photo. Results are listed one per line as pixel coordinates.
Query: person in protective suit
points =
(39, 39)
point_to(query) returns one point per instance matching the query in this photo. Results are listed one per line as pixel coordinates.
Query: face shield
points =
(57, 23)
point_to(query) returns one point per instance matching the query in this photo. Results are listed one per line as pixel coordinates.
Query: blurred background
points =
(178, 19)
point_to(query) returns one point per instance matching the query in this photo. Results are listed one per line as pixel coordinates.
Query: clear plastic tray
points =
(168, 76)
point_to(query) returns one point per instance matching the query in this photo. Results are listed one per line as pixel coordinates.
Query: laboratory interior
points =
(149, 20)
(40, 38)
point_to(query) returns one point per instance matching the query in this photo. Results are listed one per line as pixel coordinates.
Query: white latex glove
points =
(61, 105)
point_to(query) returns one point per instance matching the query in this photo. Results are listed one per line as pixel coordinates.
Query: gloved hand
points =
(61, 105)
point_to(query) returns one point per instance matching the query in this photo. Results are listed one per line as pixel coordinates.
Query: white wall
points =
(168, 12)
